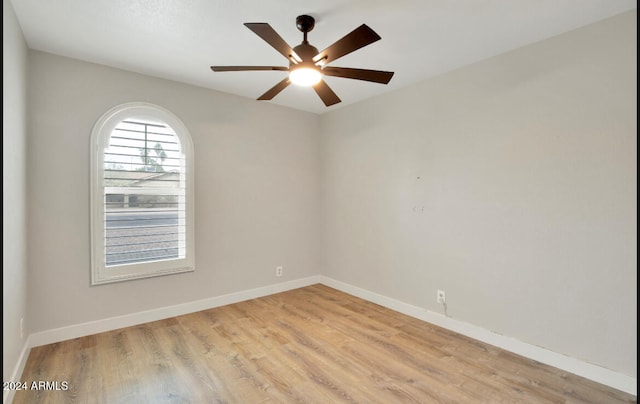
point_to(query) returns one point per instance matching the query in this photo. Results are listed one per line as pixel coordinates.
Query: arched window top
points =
(142, 194)
(139, 111)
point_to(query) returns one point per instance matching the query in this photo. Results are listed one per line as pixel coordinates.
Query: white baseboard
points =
(596, 373)
(113, 323)
(7, 395)
(589, 371)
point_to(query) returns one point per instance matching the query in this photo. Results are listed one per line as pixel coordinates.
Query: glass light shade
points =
(305, 76)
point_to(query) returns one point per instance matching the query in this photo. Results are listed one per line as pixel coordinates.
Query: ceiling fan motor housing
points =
(306, 52)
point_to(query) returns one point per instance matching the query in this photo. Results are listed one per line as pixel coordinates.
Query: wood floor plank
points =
(308, 345)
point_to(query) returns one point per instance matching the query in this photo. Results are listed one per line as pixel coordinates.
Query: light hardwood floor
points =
(309, 345)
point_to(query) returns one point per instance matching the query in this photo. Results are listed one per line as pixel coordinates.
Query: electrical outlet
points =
(440, 298)
(22, 327)
(279, 271)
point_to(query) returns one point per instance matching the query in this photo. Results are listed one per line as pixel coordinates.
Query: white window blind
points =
(144, 194)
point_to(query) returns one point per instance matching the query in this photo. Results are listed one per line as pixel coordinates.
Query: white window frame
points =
(100, 136)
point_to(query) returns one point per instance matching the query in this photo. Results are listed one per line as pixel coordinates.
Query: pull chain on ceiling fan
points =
(307, 65)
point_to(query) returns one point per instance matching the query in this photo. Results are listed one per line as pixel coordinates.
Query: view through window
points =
(144, 194)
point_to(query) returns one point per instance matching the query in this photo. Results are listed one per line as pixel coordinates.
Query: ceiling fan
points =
(307, 65)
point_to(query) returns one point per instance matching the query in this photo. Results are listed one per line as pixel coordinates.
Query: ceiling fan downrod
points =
(305, 23)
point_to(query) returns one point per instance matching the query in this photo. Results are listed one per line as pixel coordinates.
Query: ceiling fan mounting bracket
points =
(305, 23)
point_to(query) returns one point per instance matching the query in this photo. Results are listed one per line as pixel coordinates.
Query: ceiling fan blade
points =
(246, 68)
(273, 91)
(264, 31)
(326, 93)
(377, 76)
(356, 39)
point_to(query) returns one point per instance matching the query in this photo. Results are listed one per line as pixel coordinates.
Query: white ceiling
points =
(181, 39)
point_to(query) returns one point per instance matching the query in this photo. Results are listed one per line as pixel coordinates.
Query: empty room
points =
(320, 202)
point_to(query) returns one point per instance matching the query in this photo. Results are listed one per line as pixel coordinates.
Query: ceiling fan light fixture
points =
(305, 76)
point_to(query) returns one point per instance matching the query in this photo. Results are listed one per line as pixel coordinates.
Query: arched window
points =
(141, 194)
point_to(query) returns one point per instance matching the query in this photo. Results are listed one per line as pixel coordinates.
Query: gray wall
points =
(14, 174)
(510, 184)
(256, 192)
